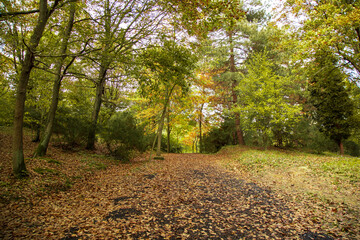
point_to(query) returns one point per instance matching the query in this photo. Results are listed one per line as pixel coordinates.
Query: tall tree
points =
(60, 70)
(333, 106)
(266, 98)
(45, 12)
(122, 25)
(334, 24)
(165, 67)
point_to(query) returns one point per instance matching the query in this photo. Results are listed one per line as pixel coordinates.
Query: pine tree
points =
(330, 97)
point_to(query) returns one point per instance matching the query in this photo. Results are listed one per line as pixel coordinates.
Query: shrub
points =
(122, 135)
(219, 137)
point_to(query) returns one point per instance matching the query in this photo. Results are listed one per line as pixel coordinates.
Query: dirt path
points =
(186, 196)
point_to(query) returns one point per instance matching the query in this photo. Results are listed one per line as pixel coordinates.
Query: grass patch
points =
(94, 165)
(325, 184)
(344, 168)
(43, 171)
(54, 161)
(333, 178)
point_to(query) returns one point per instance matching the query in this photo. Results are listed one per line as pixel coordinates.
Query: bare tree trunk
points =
(161, 122)
(168, 130)
(200, 129)
(43, 146)
(19, 167)
(159, 135)
(341, 147)
(97, 105)
(239, 132)
(100, 85)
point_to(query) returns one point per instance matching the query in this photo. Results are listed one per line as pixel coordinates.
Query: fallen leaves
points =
(185, 196)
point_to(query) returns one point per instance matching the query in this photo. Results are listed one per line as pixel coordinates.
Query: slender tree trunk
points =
(341, 147)
(161, 122)
(99, 92)
(159, 135)
(200, 129)
(168, 130)
(19, 167)
(104, 66)
(43, 146)
(239, 132)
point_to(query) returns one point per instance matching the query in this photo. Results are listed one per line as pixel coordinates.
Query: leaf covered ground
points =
(185, 196)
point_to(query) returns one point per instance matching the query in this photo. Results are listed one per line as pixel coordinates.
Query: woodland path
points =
(186, 196)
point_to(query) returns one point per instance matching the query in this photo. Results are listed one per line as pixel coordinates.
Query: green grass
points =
(54, 161)
(321, 177)
(94, 165)
(46, 170)
(346, 168)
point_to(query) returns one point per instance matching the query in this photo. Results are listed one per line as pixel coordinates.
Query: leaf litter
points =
(185, 196)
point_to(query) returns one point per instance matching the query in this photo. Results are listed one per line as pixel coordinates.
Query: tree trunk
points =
(159, 134)
(19, 168)
(104, 66)
(161, 122)
(43, 146)
(239, 132)
(200, 129)
(341, 147)
(168, 130)
(99, 92)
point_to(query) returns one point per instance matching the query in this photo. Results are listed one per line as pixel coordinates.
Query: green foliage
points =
(345, 168)
(352, 148)
(7, 106)
(265, 105)
(330, 97)
(73, 115)
(72, 125)
(216, 138)
(122, 135)
(331, 25)
(169, 64)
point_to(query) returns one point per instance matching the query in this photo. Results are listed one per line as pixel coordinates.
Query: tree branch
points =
(6, 14)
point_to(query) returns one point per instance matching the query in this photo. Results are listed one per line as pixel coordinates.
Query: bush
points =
(352, 148)
(219, 137)
(123, 136)
(72, 124)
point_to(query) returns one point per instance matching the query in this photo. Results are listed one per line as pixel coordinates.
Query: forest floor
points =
(84, 195)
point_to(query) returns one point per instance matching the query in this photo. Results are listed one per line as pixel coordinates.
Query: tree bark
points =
(100, 85)
(239, 132)
(43, 146)
(168, 130)
(161, 122)
(97, 105)
(200, 129)
(19, 168)
(341, 147)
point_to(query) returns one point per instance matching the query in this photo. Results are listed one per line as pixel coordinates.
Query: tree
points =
(165, 67)
(60, 70)
(45, 12)
(122, 26)
(334, 24)
(330, 97)
(228, 23)
(266, 98)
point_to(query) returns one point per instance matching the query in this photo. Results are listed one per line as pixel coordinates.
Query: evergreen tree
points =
(330, 97)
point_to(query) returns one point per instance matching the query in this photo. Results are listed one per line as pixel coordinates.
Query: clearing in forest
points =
(186, 196)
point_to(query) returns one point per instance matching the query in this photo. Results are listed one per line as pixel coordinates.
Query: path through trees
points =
(187, 196)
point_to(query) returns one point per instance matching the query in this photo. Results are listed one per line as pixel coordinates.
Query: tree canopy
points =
(204, 73)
